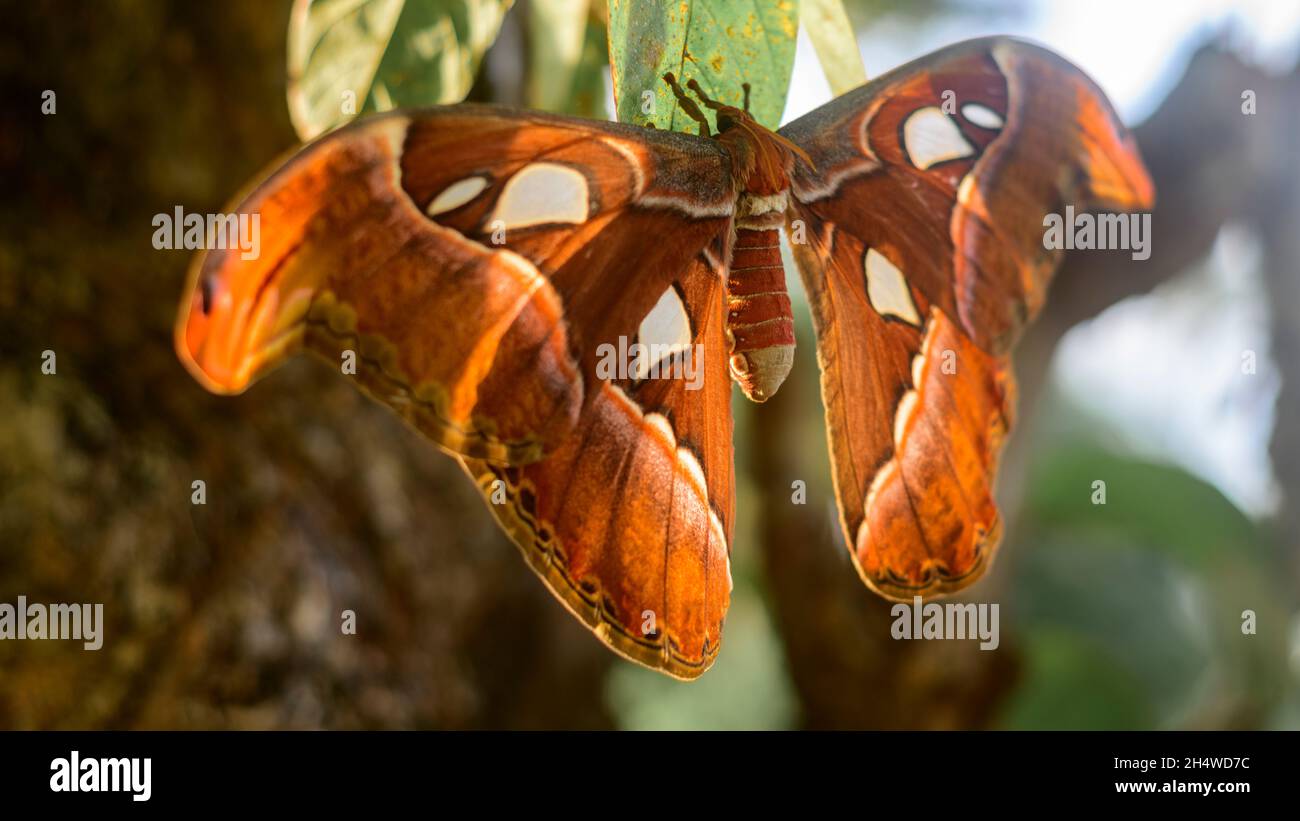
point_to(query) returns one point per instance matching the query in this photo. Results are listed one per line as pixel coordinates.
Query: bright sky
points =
(1163, 369)
(1134, 49)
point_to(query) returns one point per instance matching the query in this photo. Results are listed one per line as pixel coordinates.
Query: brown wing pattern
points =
(925, 258)
(915, 417)
(478, 261)
(473, 258)
(629, 521)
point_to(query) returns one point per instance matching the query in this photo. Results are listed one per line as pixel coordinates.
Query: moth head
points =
(773, 153)
(730, 117)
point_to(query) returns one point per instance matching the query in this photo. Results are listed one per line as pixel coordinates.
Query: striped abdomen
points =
(758, 313)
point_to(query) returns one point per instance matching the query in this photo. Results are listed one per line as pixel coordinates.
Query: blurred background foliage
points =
(1123, 615)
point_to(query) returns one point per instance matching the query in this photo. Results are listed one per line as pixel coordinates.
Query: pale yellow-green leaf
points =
(835, 43)
(347, 57)
(588, 95)
(556, 36)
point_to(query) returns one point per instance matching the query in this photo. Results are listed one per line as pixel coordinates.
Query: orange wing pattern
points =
(925, 259)
(630, 521)
(478, 261)
(420, 241)
(481, 263)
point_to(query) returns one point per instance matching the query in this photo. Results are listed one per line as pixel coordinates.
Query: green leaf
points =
(720, 45)
(1071, 683)
(556, 33)
(588, 94)
(747, 689)
(1158, 577)
(567, 58)
(836, 45)
(1151, 616)
(352, 56)
(1159, 504)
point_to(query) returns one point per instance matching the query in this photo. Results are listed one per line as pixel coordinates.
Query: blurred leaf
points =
(352, 56)
(1071, 683)
(1146, 613)
(746, 689)
(568, 56)
(588, 95)
(836, 45)
(1159, 505)
(556, 35)
(1156, 580)
(720, 45)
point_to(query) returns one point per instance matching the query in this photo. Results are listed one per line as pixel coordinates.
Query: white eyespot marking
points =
(922, 359)
(692, 467)
(965, 190)
(908, 404)
(665, 331)
(931, 137)
(542, 193)
(903, 415)
(878, 482)
(685, 459)
(660, 423)
(982, 116)
(456, 195)
(887, 289)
